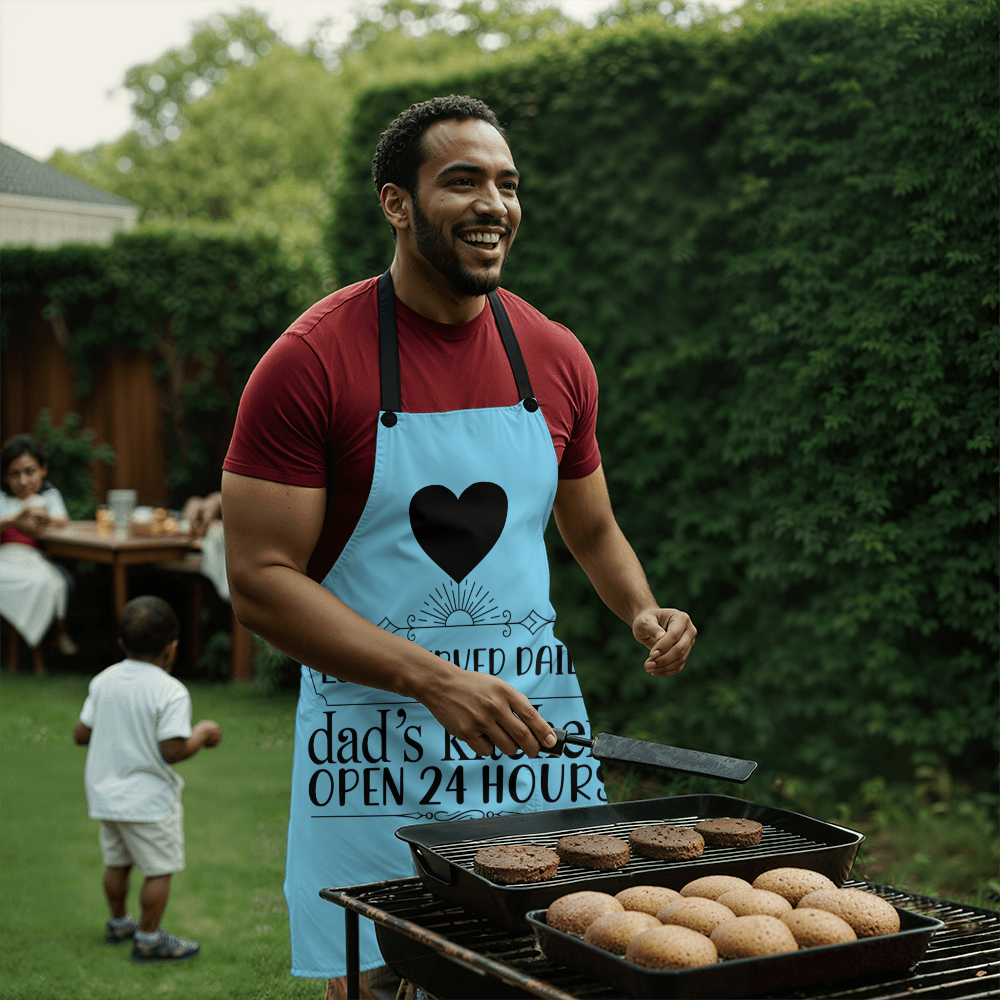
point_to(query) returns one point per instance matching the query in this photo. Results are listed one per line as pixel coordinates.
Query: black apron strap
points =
(388, 351)
(388, 347)
(514, 356)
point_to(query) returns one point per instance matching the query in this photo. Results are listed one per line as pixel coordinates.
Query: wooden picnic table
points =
(114, 547)
(121, 548)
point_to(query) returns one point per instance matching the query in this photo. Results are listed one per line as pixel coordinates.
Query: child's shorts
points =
(154, 848)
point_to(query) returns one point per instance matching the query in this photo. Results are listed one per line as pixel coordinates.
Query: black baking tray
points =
(443, 852)
(745, 977)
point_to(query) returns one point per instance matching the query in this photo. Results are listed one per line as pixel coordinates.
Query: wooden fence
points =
(124, 409)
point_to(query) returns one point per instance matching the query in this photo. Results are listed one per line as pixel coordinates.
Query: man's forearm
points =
(587, 524)
(614, 570)
(306, 622)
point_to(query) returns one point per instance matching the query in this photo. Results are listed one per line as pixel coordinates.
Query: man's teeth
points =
(491, 239)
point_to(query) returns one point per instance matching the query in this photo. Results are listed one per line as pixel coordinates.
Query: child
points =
(33, 590)
(136, 723)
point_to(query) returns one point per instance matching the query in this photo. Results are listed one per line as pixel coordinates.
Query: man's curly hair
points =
(399, 154)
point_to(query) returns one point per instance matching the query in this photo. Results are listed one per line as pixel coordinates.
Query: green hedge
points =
(778, 243)
(203, 308)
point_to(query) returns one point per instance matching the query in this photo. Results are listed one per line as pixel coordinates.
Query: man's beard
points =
(434, 248)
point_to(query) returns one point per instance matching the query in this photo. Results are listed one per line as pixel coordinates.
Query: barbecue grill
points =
(454, 955)
(443, 853)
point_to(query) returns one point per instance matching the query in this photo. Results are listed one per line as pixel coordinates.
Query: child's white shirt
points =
(131, 708)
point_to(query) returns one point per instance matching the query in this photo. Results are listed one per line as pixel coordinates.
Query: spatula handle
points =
(562, 738)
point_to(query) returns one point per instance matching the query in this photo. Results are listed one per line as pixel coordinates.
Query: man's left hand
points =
(669, 636)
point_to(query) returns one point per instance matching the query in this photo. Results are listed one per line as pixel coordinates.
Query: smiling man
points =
(396, 458)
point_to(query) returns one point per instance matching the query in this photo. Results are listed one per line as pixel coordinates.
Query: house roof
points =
(21, 175)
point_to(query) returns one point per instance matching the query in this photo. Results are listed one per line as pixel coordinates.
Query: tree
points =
(223, 136)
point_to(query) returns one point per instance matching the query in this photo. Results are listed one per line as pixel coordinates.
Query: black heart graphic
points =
(458, 532)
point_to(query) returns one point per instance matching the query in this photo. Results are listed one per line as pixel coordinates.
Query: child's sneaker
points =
(116, 931)
(163, 948)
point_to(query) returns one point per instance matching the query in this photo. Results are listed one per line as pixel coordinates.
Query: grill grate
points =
(962, 960)
(775, 842)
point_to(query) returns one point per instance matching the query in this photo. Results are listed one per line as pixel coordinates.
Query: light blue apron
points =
(449, 553)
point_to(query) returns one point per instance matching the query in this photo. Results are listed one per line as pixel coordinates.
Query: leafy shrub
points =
(272, 669)
(71, 453)
(777, 243)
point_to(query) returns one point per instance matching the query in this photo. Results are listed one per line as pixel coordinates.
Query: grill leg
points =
(352, 947)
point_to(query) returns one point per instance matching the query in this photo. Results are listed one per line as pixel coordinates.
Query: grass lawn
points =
(229, 898)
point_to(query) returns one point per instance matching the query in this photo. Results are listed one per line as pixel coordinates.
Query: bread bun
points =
(747, 902)
(812, 928)
(575, 912)
(614, 931)
(647, 898)
(792, 883)
(751, 937)
(869, 915)
(671, 946)
(700, 914)
(713, 886)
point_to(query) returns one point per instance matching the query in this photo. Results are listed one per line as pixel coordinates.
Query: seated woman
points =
(33, 590)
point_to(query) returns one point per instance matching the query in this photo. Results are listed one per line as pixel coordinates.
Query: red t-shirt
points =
(309, 412)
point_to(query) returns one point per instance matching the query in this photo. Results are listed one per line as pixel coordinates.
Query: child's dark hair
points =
(146, 626)
(15, 447)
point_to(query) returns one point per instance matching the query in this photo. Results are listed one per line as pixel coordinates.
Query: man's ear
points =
(396, 206)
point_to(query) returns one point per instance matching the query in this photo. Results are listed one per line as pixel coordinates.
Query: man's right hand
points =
(486, 712)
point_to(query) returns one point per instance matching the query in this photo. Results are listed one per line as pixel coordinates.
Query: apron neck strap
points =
(388, 345)
(513, 349)
(388, 348)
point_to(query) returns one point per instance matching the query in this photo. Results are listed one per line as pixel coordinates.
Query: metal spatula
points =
(622, 751)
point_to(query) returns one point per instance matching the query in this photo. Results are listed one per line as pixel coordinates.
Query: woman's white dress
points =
(32, 590)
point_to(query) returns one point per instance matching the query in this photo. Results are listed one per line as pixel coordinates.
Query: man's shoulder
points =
(334, 310)
(525, 316)
(542, 336)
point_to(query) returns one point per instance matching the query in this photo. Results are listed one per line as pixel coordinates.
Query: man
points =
(395, 461)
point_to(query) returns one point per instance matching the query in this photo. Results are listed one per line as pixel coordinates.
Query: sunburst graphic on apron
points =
(452, 605)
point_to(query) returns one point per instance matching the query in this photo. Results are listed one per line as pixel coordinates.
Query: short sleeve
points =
(175, 718)
(582, 454)
(87, 712)
(282, 422)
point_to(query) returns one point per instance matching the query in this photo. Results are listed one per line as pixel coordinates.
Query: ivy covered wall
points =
(201, 309)
(778, 244)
